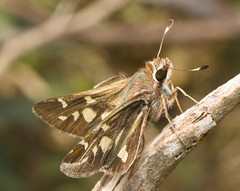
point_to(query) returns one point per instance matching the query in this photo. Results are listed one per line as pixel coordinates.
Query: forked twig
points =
(163, 154)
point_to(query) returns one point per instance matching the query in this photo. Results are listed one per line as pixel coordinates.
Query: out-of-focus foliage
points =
(30, 152)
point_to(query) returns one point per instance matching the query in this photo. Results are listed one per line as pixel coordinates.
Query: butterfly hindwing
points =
(79, 113)
(128, 150)
(112, 146)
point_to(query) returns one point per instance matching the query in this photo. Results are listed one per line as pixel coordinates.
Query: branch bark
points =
(163, 154)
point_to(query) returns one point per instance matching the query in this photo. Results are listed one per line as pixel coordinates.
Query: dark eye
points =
(160, 75)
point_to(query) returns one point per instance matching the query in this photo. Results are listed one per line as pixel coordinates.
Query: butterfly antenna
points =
(164, 34)
(193, 70)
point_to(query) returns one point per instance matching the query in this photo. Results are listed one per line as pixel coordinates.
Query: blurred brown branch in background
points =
(79, 26)
(184, 32)
(163, 154)
(24, 11)
(55, 28)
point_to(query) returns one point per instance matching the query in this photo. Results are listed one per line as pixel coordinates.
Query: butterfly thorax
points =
(150, 84)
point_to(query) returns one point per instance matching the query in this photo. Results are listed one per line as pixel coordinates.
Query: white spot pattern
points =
(123, 154)
(85, 144)
(63, 118)
(75, 115)
(89, 114)
(64, 104)
(105, 143)
(89, 99)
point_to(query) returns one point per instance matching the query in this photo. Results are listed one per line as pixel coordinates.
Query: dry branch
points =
(163, 154)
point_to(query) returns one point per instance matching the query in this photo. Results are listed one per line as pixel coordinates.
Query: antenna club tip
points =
(204, 67)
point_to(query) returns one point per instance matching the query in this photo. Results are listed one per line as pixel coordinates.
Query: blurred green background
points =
(52, 48)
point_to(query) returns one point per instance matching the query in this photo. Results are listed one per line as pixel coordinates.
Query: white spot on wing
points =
(123, 154)
(89, 114)
(75, 115)
(84, 160)
(105, 127)
(94, 150)
(85, 144)
(63, 118)
(64, 104)
(89, 99)
(105, 143)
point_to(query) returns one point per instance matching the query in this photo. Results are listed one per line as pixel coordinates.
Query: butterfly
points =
(111, 117)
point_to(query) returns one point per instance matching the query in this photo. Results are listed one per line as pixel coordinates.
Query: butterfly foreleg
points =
(185, 94)
(164, 100)
(174, 96)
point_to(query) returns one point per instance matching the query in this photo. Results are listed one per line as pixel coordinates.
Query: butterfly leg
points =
(185, 94)
(174, 94)
(169, 120)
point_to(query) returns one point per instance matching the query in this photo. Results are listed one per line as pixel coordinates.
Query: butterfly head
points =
(160, 69)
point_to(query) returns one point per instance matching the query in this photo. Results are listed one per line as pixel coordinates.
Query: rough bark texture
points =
(162, 155)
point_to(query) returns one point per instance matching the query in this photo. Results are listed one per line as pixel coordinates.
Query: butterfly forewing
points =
(79, 113)
(110, 147)
(110, 118)
(111, 80)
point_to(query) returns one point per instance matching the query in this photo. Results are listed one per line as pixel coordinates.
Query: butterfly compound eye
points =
(160, 75)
